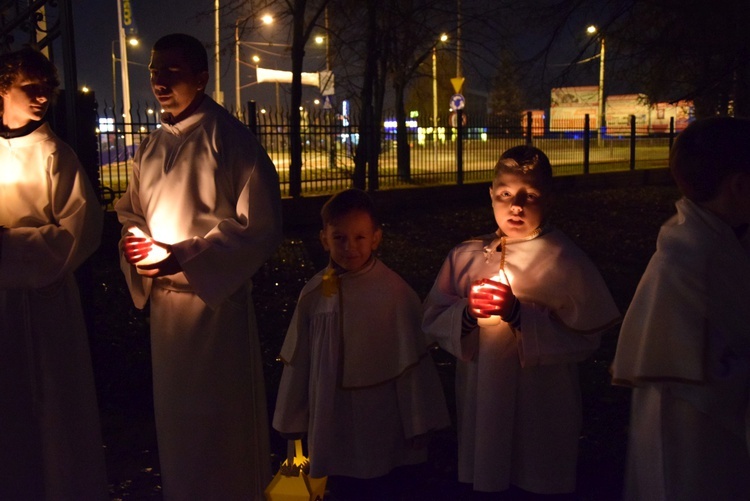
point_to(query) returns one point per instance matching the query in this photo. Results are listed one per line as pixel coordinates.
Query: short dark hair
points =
(30, 63)
(192, 48)
(348, 201)
(707, 152)
(528, 162)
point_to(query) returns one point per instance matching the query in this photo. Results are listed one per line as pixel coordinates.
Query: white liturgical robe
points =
(50, 437)
(358, 378)
(684, 346)
(206, 187)
(517, 391)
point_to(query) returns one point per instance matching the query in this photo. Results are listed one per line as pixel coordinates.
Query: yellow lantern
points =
(292, 482)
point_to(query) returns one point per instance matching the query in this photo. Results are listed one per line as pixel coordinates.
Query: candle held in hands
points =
(157, 252)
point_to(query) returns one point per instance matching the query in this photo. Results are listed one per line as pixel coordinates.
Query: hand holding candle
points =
(490, 300)
(150, 257)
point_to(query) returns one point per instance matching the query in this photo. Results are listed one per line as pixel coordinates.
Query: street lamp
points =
(443, 38)
(592, 30)
(131, 41)
(266, 19)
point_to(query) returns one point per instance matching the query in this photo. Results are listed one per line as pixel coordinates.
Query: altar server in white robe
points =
(205, 195)
(684, 346)
(358, 379)
(50, 222)
(519, 308)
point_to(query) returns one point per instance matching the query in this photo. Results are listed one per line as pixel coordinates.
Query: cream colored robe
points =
(358, 378)
(685, 348)
(50, 437)
(518, 394)
(207, 187)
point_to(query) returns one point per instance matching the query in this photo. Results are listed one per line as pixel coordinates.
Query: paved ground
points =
(616, 226)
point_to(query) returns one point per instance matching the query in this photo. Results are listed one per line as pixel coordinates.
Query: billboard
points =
(661, 113)
(569, 107)
(620, 108)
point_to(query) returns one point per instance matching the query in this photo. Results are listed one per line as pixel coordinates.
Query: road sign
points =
(457, 82)
(327, 102)
(454, 119)
(457, 102)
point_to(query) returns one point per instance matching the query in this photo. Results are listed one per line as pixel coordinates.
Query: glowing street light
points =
(265, 19)
(443, 38)
(592, 30)
(133, 42)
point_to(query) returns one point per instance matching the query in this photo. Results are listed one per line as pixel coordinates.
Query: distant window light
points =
(107, 124)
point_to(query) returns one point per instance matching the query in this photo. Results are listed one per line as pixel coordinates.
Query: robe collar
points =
(23, 131)
(187, 124)
(501, 240)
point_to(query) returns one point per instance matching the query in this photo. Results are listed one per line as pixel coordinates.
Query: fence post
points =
(460, 147)
(632, 142)
(671, 132)
(252, 117)
(586, 143)
(528, 128)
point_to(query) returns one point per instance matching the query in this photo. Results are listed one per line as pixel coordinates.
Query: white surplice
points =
(684, 346)
(358, 378)
(50, 436)
(518, 393)
(206, 186)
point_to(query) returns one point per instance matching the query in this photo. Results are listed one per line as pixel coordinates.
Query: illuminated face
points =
(518, 206)
(175, 85)
(26, 100)
(351, 240)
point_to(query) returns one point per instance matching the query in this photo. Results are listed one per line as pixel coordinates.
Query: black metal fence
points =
(436, 155)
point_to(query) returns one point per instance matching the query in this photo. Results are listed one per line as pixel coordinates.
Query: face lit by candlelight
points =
(351, 239)
(517, 204)
(26, 100)
(176, 86)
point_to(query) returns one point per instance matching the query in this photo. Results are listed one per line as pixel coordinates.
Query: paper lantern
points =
(292, 482)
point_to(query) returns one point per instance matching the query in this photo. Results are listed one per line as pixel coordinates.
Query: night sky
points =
(95, 25)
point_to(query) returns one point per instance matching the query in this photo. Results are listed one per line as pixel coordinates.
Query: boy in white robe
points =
(50, 222)
(519, 308)
(205, 194)
(358, 378)
(684, 345)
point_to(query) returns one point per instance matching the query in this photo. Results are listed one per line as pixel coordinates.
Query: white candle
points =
(157, 252)
(493, 319)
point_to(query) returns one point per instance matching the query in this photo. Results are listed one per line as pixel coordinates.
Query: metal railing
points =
(330, 144)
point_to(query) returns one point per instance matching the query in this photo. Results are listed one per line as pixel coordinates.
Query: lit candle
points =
(156, 254)
(502, 278)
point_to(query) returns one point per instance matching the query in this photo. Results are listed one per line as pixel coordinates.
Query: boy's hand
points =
(488, 297)
(136, 249)
(150, 257)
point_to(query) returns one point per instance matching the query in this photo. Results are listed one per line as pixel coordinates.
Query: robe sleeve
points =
(663, 336)
(130, 214)
(217, 264)
(34, 257)
(292, 414)
(544, 339)
(421, 400)
(568, 330)
(443, 314)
